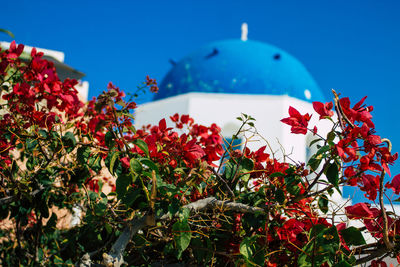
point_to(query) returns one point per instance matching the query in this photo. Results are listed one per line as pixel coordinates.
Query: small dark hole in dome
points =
(277, 56)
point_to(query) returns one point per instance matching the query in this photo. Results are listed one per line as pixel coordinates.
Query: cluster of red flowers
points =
(362, 149)
(358, 146)
(197, 143)
(364, 154)
(34, 95)
(152, 84)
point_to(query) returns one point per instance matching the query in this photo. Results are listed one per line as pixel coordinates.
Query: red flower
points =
(387, 158)
(15, 51)
(395, 184)
(370, 185)
(125, 162)
(298, 122)
(375, 263)
(193, 151)
(324, 110)
(361, 211)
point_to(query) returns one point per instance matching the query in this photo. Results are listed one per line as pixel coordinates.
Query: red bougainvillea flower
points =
(387, 158)
(395, 184)
(15, 51)
(324, 110)
(359, 112)
(125, 162)
(375, 263)
(345, 151)
(361, 211)
(298, 122)
(193, 151)
(370, 185)
(152, 83)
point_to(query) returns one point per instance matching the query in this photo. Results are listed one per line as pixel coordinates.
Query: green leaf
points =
(43, 134)
(51, 223)
(246, 166)
(316, 229)
(324, 247)
(9, 33)
(149, 163)
(83, 154)
(314, 162)
(279, 196)
(142, 145)
(101, 207)
(131, 195)
(95, 163)
(109, 139)
(247, 247)
(182, 237)
(331, 136)
(230, 169)
(135, 166)
(277, 174)
(292, 182)
(328, 240)
(184, 214)
(323, 203)
(112, 161)
(31, 163)
(173, 207)
(202, 256)
(69, 139)
(31, 144)
(352, 236)
(44, 209)
(122, 183)
(322, 150)
(108, 228)
(332, 173)
(314, 141)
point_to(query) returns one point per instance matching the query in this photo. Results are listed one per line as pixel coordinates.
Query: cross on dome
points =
(245, 31)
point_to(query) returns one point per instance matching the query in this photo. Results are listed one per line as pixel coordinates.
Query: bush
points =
(158, 195)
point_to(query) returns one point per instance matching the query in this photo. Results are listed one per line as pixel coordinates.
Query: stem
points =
(388, 244)
(224, 181)
(340, 112)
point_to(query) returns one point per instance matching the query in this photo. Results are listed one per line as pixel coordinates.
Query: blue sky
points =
(352, 46)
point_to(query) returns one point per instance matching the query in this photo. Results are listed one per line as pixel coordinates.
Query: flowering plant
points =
(162, 195)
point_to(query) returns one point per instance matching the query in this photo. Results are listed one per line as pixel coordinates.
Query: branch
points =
(372, 256)
(224, 181)
(9, 199)
(388, 244)
(115, 256)
(341, 114)
(213, 203)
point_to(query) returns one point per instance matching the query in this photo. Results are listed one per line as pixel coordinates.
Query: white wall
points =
(222, 109)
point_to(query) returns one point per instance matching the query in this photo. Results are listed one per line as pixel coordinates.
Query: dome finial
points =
(244, 31)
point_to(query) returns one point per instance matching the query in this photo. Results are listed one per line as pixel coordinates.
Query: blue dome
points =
(240, 67)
